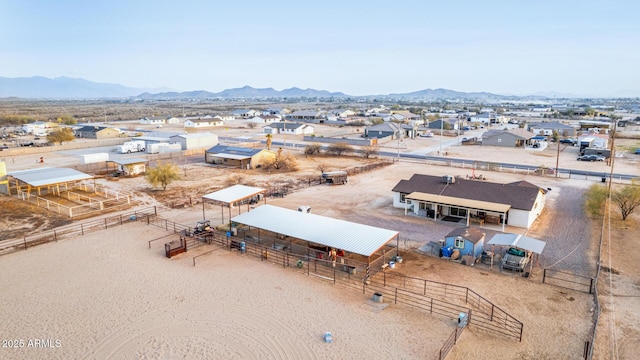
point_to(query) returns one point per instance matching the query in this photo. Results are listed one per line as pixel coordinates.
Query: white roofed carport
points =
(519, 241)
(232, 195)
(356, 238)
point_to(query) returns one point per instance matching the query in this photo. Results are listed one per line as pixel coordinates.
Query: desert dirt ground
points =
(557, 320)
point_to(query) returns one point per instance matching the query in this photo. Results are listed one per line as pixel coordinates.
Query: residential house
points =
(244, 158)
(547, 128)
(438, 197)
(202, 123)
(508, 138)
(308, 115)
(288, 128)
(156, 120)
(383, 130)
(265, 119)
(39, 128)
(445, 124)
(97, 132)
(468, 240)
(244, 113)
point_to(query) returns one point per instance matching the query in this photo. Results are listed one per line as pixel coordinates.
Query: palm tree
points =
(269, 139)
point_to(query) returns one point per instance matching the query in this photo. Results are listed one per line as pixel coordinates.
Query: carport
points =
(351, 237)
(234, 196)
(49, 179)
(520, 241)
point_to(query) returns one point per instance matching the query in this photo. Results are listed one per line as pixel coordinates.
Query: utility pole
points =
(612, 154)
(557, 156)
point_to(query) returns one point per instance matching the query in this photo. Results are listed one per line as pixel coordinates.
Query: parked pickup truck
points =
(515, 259)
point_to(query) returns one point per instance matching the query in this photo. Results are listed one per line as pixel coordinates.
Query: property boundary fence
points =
(568, 280)
(448, 344)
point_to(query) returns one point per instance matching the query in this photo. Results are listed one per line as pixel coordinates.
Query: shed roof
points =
(352, 237)
(520, 241)
(234, 193)
(128, 161)
(48, 176)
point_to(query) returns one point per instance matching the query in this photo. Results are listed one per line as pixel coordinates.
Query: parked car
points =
(429, 134)
(515, 259)
(466, 128)
(567, 141)
(3, 147)
(637, 152)
(591, 158)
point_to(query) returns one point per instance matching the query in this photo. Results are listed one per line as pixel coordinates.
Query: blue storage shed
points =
(469, 240)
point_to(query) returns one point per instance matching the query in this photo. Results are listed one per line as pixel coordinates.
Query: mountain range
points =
(61, 88)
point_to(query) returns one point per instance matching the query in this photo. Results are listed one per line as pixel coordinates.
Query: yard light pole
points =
(441, 134)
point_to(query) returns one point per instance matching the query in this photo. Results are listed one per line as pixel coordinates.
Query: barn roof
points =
(340, 234)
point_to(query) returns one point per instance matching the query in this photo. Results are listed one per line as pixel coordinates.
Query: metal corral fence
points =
(9, 246)
(431, 296)
(448, 344)
(487, 315)
(568, 280)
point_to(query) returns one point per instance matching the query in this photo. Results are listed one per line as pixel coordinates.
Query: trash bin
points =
(243, 247)
(604, 179)
(377, 297)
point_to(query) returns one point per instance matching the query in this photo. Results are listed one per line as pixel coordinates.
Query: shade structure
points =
(340, 234)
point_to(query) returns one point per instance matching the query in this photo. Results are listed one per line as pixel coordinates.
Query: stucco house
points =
(97, 132)
(288, 128)
(202, 123)
(244, 113)
(508, 138)
(466, 200)
(384, 130)
(547, 128)
(244, 158)
(265, 119)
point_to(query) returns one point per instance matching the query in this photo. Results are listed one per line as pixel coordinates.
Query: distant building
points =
(288, 128)
(244, 158)
(202, 123)
(97, 132)
(508, 138)
(194, 141)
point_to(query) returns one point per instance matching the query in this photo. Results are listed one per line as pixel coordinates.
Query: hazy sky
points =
(357, 47)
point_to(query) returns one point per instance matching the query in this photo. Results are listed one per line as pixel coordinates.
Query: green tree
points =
(595, 198)
(60, 135)
(555, 135)
(163, 174)
(627, 199)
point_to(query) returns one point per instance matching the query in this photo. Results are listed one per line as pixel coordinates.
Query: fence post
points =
(120, 219)
(155, 210)
(105, 223)
(148, 219)
(466, 296)
(544, 274)
(55, 236)
(591, 286)
(334, 276)
(455, 335)
(492, 307)
(395, 301)
(82, 229)
(25, 242)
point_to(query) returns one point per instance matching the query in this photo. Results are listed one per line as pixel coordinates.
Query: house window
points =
(403, 197)
(459, 243)
(458, 212)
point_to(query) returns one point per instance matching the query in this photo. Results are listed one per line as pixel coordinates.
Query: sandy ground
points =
(106, 295)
